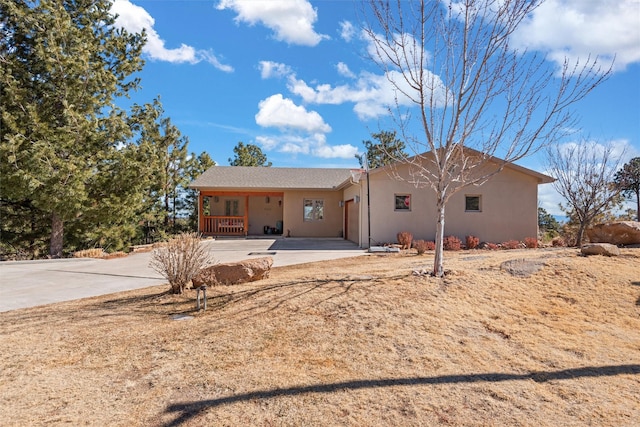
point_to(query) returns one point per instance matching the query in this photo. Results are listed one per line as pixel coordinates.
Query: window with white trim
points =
(313, 209)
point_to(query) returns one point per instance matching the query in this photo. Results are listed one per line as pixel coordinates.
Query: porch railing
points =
(224, 225)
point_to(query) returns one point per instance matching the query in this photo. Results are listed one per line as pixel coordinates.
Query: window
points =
(313, 209)
(231, 207)
(402, 202)
(472, 204)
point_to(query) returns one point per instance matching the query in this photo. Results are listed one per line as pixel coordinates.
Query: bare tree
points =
(477, 99)
(585, 174)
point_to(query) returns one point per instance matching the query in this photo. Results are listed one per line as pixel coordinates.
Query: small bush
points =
(531, 242)
(90, 253)
(558, 242)
(472, 242)
(511, 244)
(452, 243)
(423, 246)
(492, 246)
(404, 239)
(180, 260)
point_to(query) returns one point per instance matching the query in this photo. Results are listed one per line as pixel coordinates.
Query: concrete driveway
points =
(31, 283)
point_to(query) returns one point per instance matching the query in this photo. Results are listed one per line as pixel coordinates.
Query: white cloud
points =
(347, 31)
(269, 69)
(577, 28)
(291, 20)
(343, 69)
(134, 19)
(277, 111)
(313, 144)
(372, 94)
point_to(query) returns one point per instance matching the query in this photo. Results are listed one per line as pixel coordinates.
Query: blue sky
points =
(293, 77)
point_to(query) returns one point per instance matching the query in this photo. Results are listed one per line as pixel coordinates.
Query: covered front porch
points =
(224, 213)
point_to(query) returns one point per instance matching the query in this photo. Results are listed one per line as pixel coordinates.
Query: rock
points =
(235, 273)
(522, 267)
(606, 249)
(616, 233)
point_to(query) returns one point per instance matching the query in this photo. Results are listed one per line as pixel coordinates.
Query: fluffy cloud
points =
(372, 94)
(291, 20)
(347, 31)
(577, 28)
(134, 19)
(313, 144)
(277, 111)
(269, 69)
(343, 69)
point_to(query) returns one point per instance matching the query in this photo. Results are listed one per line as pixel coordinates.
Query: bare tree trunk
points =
(580, 234)
(438, 263)
(57, 236)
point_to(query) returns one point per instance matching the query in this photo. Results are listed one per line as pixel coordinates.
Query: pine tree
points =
(63, 64)
(248, 155)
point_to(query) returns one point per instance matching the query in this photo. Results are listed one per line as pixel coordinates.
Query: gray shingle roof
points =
(246, 177)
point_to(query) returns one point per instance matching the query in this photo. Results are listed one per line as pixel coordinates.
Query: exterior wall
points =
(263, 213)
(508, 210)
(330, 226)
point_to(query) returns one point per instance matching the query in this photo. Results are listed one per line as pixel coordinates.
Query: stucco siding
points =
(508, 209)
(331, 225)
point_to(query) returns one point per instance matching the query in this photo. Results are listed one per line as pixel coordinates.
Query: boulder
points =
(600, 249)
(616, 233)
(235, 273)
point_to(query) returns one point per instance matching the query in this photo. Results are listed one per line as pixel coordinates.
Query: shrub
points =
(472, 242)
(492, 246)
(180, 260)
(423, 246)
(558, 241)
(452, 243)
(404, 239)
(531, 242)
(511, 244)
(90, 253)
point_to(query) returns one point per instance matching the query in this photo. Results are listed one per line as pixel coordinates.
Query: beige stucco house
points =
(315, 202)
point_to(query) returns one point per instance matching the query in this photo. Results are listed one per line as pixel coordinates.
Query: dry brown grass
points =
(348, 342)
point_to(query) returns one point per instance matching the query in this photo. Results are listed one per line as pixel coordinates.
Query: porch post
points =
(246, 215)
(200, 213)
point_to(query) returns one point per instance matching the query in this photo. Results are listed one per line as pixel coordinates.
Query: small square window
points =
(472, 204)
(313, 210)
(402, 202)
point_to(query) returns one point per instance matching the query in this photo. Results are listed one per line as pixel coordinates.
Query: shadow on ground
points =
(188, 410)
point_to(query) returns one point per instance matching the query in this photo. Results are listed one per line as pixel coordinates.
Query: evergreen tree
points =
(196, 166)
(387, 150)
(248, 155)
(163, 151)
(628, 180)
(63, 65)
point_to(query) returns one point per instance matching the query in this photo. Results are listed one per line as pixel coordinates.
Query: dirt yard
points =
(549, 339)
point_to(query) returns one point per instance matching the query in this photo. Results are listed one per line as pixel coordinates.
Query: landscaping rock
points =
(522, 267)
(235, 273)
(606, 249)
(616, 233)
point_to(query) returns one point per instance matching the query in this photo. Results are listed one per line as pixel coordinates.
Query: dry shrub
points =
(118, 254)
(452, 243)
(404, 239)
(511, 244)
(472, 242)
(180, 260)
(90, 253)
(531, 242)
(558, 242)
(492, 246)
(422, 246)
